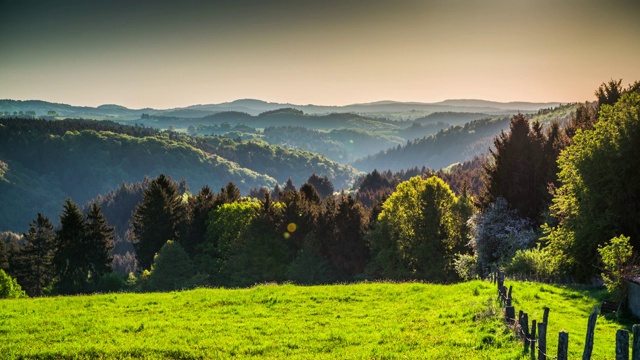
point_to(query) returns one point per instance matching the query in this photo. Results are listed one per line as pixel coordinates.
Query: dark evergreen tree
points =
(34, 268)
(584, 118)
(12, 244)
(609, 93)
(308, 192)
(199, 208)
(519, 170)
(289, 186)
(347, 250)
(323, 186)
(72, 256)
(275, 193)
(4, 256)
(227, 195)
(374, 181)
(157, 219)
(99, 241)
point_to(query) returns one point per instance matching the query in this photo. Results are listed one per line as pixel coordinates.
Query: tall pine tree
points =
(99, 241)
(157, 219)
(71, 259)
(35, 261)
(522, 167)
(199, 207)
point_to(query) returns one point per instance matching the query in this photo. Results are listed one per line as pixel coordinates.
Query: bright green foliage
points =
(224, 228)
(9, 287)
(157, 219)
(260, 254)
(419, 230)
(615, 256)
(171, 270)
(361, 321)
(535, 264)
(600, 174)
(466, 266)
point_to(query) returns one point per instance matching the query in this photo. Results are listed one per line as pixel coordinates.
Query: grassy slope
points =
(569, 311)
(332, 322)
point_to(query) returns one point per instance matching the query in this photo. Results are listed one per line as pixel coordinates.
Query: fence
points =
(535, 338)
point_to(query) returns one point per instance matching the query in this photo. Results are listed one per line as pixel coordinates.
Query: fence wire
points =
(519, 331)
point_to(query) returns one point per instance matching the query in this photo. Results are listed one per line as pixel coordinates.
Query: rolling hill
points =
(256, 107)
(43, 162)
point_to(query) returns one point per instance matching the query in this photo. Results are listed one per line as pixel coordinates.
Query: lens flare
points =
(291, 227)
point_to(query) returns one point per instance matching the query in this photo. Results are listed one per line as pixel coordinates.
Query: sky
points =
(165, 54)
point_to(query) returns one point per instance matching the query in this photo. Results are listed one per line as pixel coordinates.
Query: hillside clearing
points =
(361, 321)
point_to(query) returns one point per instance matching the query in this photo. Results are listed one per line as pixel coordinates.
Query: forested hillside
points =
(278, 117)
(452, 145)
(43, 162)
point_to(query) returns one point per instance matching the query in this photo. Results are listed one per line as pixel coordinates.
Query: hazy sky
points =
(163, 54)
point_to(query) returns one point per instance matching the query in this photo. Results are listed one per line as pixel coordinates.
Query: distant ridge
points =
(255, 107)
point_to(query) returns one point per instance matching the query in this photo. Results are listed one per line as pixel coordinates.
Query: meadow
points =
(358, 321)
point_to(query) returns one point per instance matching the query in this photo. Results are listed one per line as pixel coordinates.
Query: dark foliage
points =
(34, 267)
(521, 168)
(157, 219)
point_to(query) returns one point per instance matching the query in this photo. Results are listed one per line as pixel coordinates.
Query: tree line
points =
(553, 200)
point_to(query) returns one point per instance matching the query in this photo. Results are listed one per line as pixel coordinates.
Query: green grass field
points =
(361, 321)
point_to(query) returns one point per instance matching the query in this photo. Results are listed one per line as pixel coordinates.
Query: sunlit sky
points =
(164, 54)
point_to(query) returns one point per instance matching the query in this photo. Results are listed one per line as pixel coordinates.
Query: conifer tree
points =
(199, 208)
(71, 258)
(323, 186)
(157, 219)
(4, 255)
(227, 195)
(99, 242)
(347, 249)
(520, 169)
(289, 186)
(35, 268)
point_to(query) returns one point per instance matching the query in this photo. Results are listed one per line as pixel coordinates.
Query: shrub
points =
(466, 266)
(617, 263)
(111, 282)
(171, 270)
(9, 287)
(534, 264)
(497, 234)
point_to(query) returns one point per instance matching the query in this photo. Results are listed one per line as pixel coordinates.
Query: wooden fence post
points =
(510, 314)
(635, 354)
(542, 341)
(533, 339)
(588, 343)
(622, 345)
(563, 345)
(545, 315)
(525, 331)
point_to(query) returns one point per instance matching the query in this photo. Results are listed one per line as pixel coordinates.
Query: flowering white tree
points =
(498, 233)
